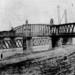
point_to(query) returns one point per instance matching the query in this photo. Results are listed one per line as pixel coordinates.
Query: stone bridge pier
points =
(54, 40)
(59, 41)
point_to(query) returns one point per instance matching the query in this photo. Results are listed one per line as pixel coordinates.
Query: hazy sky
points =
(15, 12)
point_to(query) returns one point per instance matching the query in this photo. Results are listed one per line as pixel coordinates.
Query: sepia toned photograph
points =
(37, 37)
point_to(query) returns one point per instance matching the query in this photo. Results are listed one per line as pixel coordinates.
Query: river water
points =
(23, 68)
(47, 67)
(26, 68)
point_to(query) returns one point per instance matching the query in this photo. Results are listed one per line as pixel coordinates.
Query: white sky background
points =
(15, 12)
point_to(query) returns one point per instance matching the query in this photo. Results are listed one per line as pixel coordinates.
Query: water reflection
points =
(24, 68)
(46, 67)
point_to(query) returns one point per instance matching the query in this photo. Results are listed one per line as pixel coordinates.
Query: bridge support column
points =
(24, 44)
(55, 41)
(67, 41)
(27, 44)
(60, 42)
(27, 37)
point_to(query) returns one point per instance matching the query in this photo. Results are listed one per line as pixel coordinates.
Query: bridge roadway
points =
(39, 56)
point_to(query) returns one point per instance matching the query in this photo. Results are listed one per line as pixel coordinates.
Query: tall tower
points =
(27, 38)
(58, 14)
(65, 12)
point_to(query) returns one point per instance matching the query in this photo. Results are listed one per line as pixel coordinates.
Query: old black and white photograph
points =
(37, 37)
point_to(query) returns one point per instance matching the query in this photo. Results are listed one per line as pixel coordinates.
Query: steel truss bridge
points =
(55, 32)
(35, 30)
(44, 35)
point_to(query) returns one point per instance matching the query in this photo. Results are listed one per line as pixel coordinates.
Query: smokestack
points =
(65, 11)
(58, 13)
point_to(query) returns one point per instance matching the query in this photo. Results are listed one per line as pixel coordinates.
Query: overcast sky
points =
(15, 12)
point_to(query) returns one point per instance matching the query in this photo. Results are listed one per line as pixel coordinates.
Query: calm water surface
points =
(24, 68)
(46, 67)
